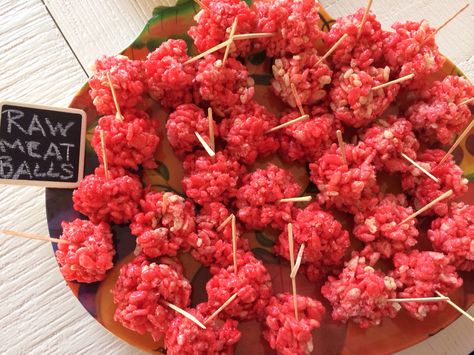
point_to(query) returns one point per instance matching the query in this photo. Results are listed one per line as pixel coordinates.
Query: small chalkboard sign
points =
(41, 145)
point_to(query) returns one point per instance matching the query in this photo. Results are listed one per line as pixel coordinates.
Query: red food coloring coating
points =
(140, 291)
(379, 227)
(306, 140)
(284, 332)
(113, 200)
(214, 24)
(352, 100)
(352, 187)
(356, 51)
(295, 24)
(186, 337)
(304, 71)
(421, 273)
(453, 235)
(252, 283)
(182, 125)
(438, 116)
(245, 132)
(390, 138)
(212, 247)
(169, 79)
(408, 50)
(130, 142)
(164, 223)
(325, 240)
(127, 77)
(223, 86)
(257, 198)
(424, 189)
(90, 253)
(360, 294)
(207, 179)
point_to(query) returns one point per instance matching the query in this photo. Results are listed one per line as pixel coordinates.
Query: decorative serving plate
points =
(331, 338)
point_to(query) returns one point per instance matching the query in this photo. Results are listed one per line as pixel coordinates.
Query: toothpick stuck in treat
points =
(419, 299)
(186, 314)
(33, 236)
(211, 129)
(332, 49)
(104, 154)
(396, 81)
(445, 23)
(299, 258)
(205, 145)
(455, 306)
(364, 18)
(234, 243)
(296, 199)
(219, 310)
(283, 125)
(297, 99)
(291, 247)
(223, 224)
(426, 172)
(118, 114)
(457, 142)
(428, 206)
(340, 141)
(231, 40)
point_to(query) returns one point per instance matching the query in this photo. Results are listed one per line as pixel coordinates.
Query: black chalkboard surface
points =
(41, 145)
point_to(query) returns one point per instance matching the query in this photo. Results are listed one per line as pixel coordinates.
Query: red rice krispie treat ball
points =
(356, 50)
(212, 245)
(208, 179)
(352, 99)
(284, 332)
(113, 200)
(390, 137)
(424, 189)
(439, 115)
(130, 142)
(411, 49)
(325, 240)
(306, 140)
(257, 198)
(360, 294)
(181, 125)
(90, 253)
(223, 86)
(453, 235)
(127, 78)
(140, 291)
(294, 22)
(184, 337)
(379, 227)
(245, 132)
(350, 187)
(421, 273)
(170, 80)
(164, 223)
(252, 283)
(304, 71)
(214, 24)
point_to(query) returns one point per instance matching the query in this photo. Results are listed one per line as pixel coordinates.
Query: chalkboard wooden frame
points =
(52, 184)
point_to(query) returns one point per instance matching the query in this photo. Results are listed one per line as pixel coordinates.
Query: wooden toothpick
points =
(332, 49)
(104, 154)
(427, 173)
(186, 314)
(297, 99)
(204, 144)
(234, 243)
(428, 206)
(209, 51)
(445, 23)
(118, 114)
(457, 142)
(223, 224)
(292, 266)
(253, 35)
(201, 5)
(219, 310)
(296, 199)
(364, 18)
(396, 81)
(33, 236)
(340, 141)
(467, 102)
(211, 129)
(455, 306)
(283, 125)
(299, 258)
(231, 40)
(420, 299)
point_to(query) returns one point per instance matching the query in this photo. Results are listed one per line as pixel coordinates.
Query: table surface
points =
(46, 48)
